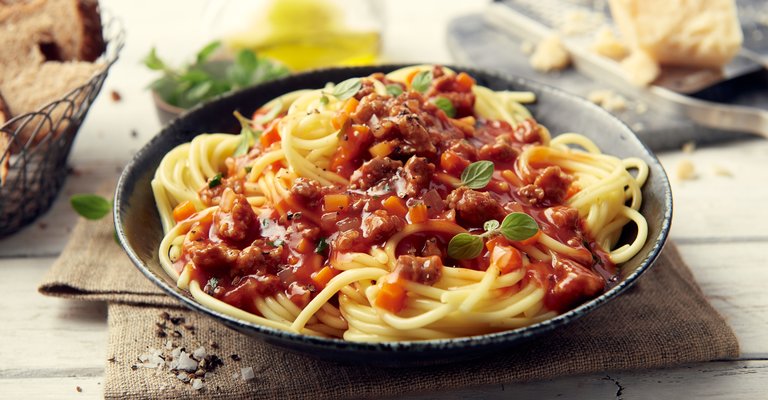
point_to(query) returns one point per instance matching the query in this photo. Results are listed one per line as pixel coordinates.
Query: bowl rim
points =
(502, 337)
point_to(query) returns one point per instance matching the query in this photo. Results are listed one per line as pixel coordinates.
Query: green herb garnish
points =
(445, 105)
(322, 245)
(422, 81)
(203, 78)
(347, 89)
(90, 206)
(324, 100)
(213, 283)
(394, 90)
(515, 226)
(271, 114)
(215, 181)
(477, 175)
(247, 135)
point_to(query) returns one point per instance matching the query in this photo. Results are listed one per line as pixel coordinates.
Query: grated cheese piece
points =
(550, 55)
(689, 147)
(686, 170)
(640, 68)
(608, 45)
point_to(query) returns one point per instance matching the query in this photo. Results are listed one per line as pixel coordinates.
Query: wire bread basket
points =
(39, 143)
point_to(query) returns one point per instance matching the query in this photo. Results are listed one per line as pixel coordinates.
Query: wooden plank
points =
(46, 334)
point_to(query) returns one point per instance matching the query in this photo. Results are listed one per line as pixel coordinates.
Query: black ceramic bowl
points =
(139, 230)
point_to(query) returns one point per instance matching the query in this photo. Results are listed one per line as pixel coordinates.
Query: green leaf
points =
(322, 245)
(247, 60)
(394, 90)
(422, 81)
(200, 90)
(271, 114)
(324, 100)
(519, 226)
(465, 246)
(477, 174)
(205, 52)
(215, 181)
(153, 62)
(90, 206)
(247, 135)
(491, 225)
(445, 105)
(212, 283)
(347, 89)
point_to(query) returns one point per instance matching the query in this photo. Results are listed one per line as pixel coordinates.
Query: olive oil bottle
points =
(305, 34)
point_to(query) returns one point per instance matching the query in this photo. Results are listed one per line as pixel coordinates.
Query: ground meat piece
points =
(214, 257)
(549, 188)
(346, 240)
(499, 151)
(528, 132)
(463, 102)
(241, 295)
(475, 207)
(373, 171)
(366, 88)
(384, 130)
(299, 294)
(308, 190)
(259, 257)
(306, 229)
(464, 149)
(431, 248)
(379, 226)
(235, 219)
(211, 196)
(416, 135)
(424, 270)
(418, 174)
(562, 217)
(368, 106)
(573, 283)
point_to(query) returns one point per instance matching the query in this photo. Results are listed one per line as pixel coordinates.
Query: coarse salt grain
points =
(199, 353)
(247, 373)
(186, 363)
(182, 377)
(197, 384)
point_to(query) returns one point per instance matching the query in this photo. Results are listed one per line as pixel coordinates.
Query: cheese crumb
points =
(722, 171)
(641, 108)
(686, 170)
(608, 45)
(550, 55)
(640, 68)
(526, 47)
(608, 99)
(689, 147)
(579, 22)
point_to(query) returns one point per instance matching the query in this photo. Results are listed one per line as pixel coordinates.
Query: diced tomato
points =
(452, 163)
(271, 135)
(506, 258)
(464, 81)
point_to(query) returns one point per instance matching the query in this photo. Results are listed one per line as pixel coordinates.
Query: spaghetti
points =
(409, 206)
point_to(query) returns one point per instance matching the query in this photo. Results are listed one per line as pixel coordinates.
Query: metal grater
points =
(536, 19)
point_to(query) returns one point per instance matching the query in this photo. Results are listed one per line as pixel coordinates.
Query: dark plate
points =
(139, 230)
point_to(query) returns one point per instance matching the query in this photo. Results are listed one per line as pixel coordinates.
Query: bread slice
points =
(74, 31)
(5, 142)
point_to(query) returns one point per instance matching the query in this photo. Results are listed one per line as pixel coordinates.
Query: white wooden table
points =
(50, 347)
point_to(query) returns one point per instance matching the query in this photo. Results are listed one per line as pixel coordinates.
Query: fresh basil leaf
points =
(465, 246)
(518, 226)
(247, 135)
(215, 181)
(445, 105)
(212, 283)
(205, 52)
(347, 89)
(90, 206)
(477, 175)
(394, 90)
(271, 114)
(422, 81)
(247, 60)
(153, 62)
(248, 169)
(491, 225)
(324, 100)
(322, 245)
(199, 91)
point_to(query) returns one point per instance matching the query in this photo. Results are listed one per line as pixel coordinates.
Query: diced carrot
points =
(363, 131)
(464, 81)
(507, 258)
(339, 119)
(396, 206)
(391, 297)
(305, 246)
(183, 211)
(350, 105)
(418, 213)
(335, 202)
(452, 162)
(322, 277)
(382, 149)
(572, 190)
(270, 136)
(498, 186)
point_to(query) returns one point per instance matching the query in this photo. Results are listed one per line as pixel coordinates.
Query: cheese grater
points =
(534, 20)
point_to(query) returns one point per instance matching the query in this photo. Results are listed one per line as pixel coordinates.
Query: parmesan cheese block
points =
(694, 33)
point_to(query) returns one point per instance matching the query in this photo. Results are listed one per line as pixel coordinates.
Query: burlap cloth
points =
(663, 320)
